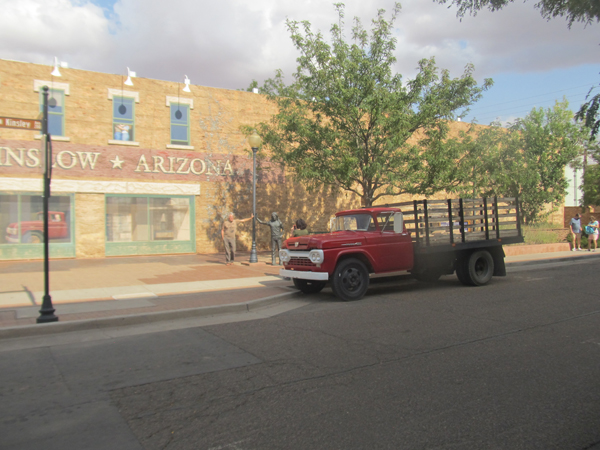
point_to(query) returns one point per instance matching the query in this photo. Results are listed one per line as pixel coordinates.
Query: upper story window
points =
(123, 119)
(180, 108)
(57, 93)
(56, 111)
(180, 124)
(123, 112)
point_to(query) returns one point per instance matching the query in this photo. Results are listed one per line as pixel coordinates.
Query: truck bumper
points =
(316, 276)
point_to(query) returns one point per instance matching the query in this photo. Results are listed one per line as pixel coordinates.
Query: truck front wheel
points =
(350, 280)
(309, 286)
(475, 269)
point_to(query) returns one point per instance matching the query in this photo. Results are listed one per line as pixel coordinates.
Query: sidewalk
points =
(154, 287)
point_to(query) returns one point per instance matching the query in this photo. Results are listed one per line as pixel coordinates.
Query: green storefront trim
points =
(154, 247)
(36, 251)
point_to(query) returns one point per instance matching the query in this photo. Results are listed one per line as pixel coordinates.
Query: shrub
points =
(539, 234)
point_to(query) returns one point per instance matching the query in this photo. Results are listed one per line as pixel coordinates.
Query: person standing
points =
(575, 226)
(228, 234)
(592, 231)
(276, 235)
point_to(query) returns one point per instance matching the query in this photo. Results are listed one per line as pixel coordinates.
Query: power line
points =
(510, 111)
(527, 104)
(540, 95)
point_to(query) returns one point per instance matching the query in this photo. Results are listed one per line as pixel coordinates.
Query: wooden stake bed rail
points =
(462, 223)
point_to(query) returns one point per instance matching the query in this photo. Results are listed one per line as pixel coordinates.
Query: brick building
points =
(138, 169)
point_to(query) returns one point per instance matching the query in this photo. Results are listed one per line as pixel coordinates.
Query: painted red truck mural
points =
(32, 231)
(426, 238)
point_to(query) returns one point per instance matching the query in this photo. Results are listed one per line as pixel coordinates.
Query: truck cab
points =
(368, 240)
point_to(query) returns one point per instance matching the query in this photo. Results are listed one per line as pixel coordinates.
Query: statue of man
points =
(276, 235)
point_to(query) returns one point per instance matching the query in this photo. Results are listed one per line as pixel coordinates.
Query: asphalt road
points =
(512, 365)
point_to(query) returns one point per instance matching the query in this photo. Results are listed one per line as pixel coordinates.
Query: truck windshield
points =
(353, 222)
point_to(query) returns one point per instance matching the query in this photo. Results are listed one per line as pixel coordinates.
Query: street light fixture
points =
(254, 142)
(47, 310)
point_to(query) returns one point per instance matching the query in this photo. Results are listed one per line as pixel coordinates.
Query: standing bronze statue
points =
(276, 235)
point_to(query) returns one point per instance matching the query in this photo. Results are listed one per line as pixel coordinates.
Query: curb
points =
(138, 319)
(531, 262)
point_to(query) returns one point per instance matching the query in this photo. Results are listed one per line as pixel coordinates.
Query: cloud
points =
(515, 39)
(230, 42)
(36, 31)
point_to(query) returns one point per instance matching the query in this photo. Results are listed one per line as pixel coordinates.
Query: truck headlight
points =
(284, 255)
(316, 256)
(10, 230)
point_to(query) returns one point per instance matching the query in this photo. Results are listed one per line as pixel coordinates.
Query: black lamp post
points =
(47, 311)
(254, 142)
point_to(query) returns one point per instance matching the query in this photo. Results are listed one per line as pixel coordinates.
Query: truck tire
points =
(309, 286)
(475, 269)
(33, 237)
(350, 280)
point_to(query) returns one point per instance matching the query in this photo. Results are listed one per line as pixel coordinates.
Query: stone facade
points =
(89, 225)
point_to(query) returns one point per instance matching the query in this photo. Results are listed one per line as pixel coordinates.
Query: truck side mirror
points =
(398, 222)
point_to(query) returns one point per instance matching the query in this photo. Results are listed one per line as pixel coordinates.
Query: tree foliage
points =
(586, 11)
(527, 159)
(348, 120)
(591, 185)
(589, 114)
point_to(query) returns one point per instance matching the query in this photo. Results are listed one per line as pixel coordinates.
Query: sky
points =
(228, 43)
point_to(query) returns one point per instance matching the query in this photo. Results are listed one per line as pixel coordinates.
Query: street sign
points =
(21, 124)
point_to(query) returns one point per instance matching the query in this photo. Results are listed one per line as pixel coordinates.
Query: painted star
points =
(117, 163)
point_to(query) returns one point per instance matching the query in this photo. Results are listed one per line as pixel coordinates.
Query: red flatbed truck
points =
(428, 238)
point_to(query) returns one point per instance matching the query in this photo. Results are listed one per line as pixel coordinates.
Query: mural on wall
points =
(230, 194)
(78, 160)
(214, 125)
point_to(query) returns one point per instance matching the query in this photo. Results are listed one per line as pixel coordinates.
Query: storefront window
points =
(132, 219)
(22, 219)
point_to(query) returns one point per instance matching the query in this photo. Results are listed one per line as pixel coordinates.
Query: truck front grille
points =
(303, 262)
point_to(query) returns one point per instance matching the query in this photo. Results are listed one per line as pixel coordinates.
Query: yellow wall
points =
(215, 122)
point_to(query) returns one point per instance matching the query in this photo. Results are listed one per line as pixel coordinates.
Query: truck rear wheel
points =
(309, 286)
(475, 269)
(350, 280)
(33, 237)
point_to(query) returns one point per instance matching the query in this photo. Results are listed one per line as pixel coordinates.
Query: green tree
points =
(528, 158)
(348, 120)
(480, 147)
(589, 114)
(586, 11)
(591, 186)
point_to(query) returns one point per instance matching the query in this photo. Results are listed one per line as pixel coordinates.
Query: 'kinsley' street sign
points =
(22, 124)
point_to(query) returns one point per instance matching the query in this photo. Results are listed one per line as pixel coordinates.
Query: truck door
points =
(396, 245)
